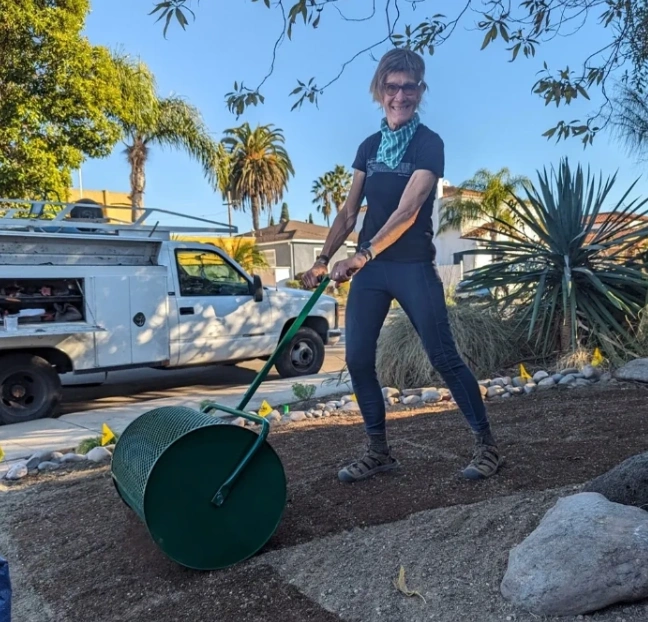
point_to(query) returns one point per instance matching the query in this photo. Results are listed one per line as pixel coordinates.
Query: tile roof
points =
(292, 230)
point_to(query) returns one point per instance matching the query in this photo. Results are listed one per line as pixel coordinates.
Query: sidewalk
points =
(21, 440)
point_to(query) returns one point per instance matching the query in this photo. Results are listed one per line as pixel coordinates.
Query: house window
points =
(457, 258)
(270, 257)
(316, 253)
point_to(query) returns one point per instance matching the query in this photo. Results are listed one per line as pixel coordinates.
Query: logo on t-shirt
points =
(404, 168)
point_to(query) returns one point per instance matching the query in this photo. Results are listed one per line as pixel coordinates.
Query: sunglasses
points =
(409, 88)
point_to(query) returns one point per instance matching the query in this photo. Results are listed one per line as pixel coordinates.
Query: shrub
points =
(294, 284)
(579, 270)
(303, 392)
(488, 343)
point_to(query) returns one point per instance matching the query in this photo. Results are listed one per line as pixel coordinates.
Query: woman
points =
(397, 170)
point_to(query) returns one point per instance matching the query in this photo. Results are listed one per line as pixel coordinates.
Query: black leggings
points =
(418, 289)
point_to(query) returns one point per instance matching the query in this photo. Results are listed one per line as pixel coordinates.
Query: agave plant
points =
(579, 271)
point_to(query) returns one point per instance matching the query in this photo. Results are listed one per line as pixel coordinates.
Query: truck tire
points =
(30, 388)
(303, 356)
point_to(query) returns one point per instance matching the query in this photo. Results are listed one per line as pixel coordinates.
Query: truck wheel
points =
(303, 356)
(30, 388)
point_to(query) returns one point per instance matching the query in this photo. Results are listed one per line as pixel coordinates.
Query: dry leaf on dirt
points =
(401, 586)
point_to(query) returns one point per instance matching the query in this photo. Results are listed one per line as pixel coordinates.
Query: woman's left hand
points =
(343, 270)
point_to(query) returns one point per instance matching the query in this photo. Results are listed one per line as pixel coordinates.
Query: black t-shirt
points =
(384, 187)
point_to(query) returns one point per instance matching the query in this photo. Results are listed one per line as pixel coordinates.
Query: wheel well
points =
(318, 324)
(61, 361)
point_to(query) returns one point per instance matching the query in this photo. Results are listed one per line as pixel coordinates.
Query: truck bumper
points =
(333, 336)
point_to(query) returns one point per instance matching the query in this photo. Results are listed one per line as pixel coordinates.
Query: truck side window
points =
(203, 273)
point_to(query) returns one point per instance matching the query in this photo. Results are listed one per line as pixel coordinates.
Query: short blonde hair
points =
(397, 60)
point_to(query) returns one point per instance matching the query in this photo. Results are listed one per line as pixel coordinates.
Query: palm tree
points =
(494, 207)
(340, 183)
(260, 167)
(331, 189)
(149, 120)
(322, 192)
(222, 170)
(247, 254)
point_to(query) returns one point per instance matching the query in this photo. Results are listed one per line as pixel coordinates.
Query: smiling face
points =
(401, 96)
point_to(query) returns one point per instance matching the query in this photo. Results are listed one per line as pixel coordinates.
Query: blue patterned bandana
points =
(393, 144)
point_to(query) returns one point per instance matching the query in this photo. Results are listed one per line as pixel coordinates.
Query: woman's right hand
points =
(311, 279)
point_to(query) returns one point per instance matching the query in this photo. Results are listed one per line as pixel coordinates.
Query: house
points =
(292, 246)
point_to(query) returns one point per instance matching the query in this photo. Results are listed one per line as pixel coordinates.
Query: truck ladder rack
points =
(55, 217)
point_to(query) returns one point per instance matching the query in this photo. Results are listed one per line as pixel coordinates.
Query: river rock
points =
(495, 391)
(390, 392)
(48, 465)
(589, 371)
(546, 383)
(408, 392)
(346, 399)
(411, 400)
(17, 471)
(351, 407)
(634, 371)
(568, 371)
(540, 375)
(99, 454)
(73, 457)
(587, 553)
(530, 387)
(568, 379)
(626, 483)
(275, 415)
(431, 396)
(500, 382)
(317, 414)
(37, 458)
(298, 415)
(483, 390)
(518, 381)
(390, 401)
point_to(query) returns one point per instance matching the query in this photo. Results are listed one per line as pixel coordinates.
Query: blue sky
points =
(481, 105)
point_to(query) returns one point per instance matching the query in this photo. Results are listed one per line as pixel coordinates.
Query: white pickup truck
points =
(85, 296)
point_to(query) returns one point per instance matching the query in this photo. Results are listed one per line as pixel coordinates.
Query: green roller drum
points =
(210, 493)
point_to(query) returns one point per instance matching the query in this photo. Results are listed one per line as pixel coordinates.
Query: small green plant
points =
(294, 284)
(90, 443)
(303, 392)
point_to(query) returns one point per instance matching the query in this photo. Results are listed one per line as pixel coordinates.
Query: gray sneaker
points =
(485, 462)
(368, 466)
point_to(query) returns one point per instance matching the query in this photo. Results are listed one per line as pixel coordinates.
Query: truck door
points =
(218, 319)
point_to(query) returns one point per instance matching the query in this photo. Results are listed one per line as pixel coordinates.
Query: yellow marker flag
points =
(265, 409)
(524, 374)
(1, 454)
(107, 435)
(597, 359)
(354, 398)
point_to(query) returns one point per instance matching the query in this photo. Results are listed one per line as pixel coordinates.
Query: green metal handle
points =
(224, 490)
(292, 331)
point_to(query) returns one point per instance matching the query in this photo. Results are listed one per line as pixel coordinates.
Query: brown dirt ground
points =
(85, 556)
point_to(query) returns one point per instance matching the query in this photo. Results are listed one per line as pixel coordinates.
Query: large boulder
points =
(636, 370)
(626, 483)
(587, 553)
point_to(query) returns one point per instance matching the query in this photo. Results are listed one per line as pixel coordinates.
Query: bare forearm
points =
(343, 226)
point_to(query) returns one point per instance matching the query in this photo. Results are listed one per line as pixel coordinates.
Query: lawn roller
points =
(210, 493)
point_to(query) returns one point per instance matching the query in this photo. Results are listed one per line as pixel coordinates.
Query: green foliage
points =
(579, 273)
(285, 215)
(294, 284)
(164, 122)
(261, 167)
(303, 392)
(59, 97)
(246, 253)
(617, 52)
(90, 443)
(331, 189)
(496, 189)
